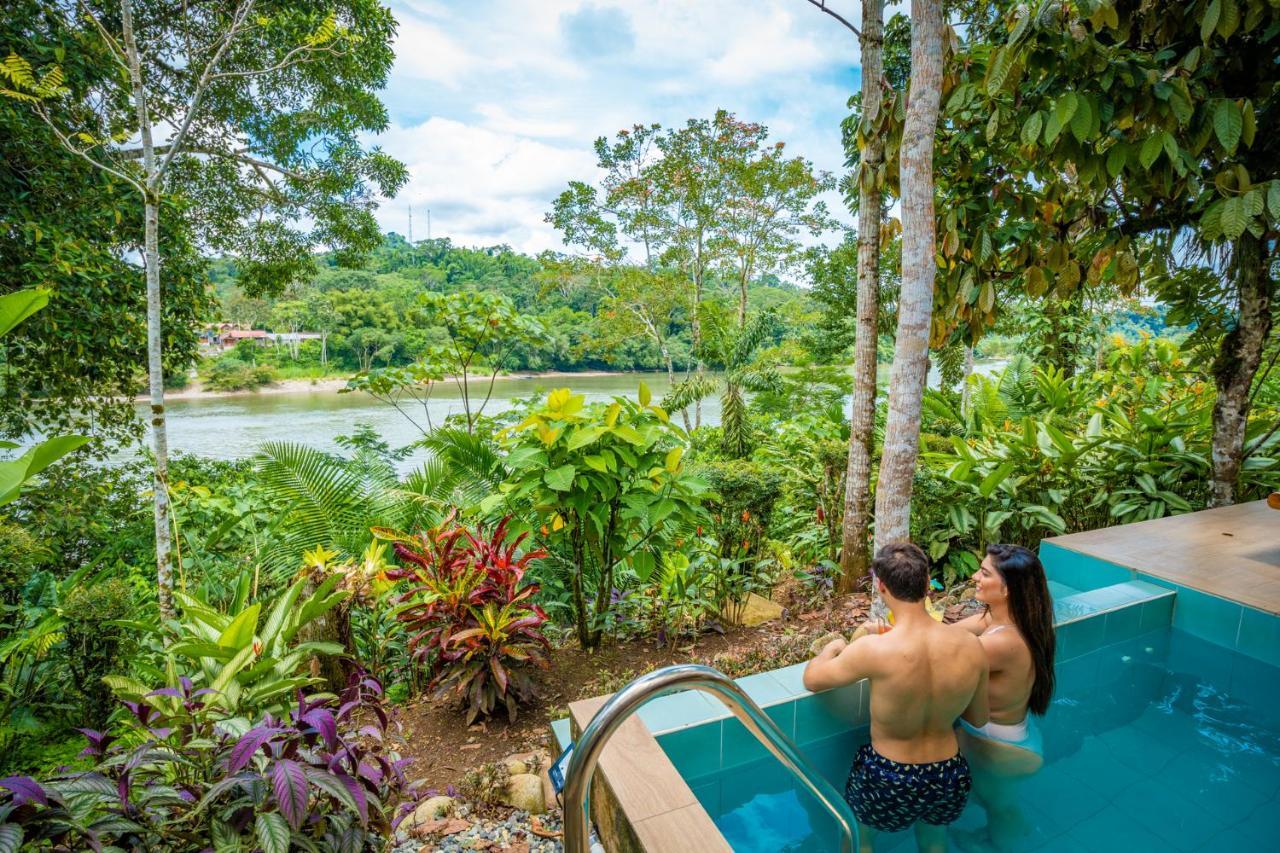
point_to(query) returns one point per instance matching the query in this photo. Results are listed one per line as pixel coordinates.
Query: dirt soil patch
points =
(443, 748)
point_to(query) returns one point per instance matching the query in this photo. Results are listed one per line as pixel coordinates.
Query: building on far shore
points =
(220, 337)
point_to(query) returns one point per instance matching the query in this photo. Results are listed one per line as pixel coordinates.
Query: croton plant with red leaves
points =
(470, 616)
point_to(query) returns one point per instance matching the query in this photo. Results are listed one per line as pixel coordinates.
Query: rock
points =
(433, 808)
(821, 643)
(969, 592)
(519, 763)
(524, 792)
(754, 611)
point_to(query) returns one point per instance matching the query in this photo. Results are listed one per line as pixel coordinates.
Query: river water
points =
(232, 427)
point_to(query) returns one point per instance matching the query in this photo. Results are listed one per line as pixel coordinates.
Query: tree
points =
(915, 304)
(319, 314)
(481, 329)
(770, 202)
(264, 100)
(291, 315)
(1174, 149)
(73, 229)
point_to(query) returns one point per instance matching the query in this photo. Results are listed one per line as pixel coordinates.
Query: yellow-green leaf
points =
(673, 459)
(645, 396)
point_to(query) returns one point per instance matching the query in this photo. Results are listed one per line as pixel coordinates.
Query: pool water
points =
(1163, 742)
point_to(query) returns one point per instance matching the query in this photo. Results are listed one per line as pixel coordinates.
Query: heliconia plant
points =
(324, 776)
(470, 616)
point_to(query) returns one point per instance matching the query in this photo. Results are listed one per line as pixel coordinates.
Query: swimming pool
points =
(1163, 741)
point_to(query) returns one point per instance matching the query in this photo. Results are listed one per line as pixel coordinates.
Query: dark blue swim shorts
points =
(889, 796)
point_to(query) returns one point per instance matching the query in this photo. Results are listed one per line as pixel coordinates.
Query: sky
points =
(494, 105)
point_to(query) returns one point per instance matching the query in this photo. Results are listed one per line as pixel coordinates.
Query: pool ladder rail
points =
(660, 682)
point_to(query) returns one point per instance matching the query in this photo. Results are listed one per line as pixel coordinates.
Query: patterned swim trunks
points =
(889, 796)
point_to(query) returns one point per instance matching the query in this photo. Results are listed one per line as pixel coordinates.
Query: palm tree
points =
(729, 350)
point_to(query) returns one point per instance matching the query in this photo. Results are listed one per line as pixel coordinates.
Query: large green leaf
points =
(18, 306)
(560, 479)
(240, 632)
(15, 472)
(272, 832)
(1228, 124)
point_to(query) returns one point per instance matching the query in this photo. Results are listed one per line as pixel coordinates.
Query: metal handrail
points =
(688, 676)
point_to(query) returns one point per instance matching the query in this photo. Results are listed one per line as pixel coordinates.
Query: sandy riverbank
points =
(334, 384)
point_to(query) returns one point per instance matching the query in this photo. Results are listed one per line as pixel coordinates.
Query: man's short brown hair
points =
(904, 570)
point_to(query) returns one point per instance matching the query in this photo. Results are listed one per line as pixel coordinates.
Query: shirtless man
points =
(924, 675)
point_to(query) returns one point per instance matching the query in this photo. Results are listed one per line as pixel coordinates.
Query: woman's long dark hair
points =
(1032, 611)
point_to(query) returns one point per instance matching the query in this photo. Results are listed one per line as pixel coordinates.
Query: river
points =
(231, 427)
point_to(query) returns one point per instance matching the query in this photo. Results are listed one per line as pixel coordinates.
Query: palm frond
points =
(752, 336)
(686, 393)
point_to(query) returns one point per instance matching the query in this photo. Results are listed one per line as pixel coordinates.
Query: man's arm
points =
(839, 663)
(979, 711)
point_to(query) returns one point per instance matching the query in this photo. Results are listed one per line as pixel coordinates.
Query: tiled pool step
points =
(702, 737)
(1226, 623)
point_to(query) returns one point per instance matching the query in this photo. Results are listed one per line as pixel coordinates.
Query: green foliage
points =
(741, 511)
(229, 373)
(1039, 454)
(608, 488)
(97, 640)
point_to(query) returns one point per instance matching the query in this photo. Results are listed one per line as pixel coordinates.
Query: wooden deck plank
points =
(1233, 552)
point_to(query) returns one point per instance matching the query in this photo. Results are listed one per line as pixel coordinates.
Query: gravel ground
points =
(512, 834)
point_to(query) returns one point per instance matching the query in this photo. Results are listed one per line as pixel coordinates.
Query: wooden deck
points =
(1233, 552)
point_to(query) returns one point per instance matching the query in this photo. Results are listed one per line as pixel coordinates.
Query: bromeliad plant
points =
(325, 776)
(470, 616)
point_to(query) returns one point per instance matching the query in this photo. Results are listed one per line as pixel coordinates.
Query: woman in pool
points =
(1016, 631)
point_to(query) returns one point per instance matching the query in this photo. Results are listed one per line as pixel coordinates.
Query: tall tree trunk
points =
(155, 332)
(1237, 364)
(915, 305)
(964, 381)
(855, 534)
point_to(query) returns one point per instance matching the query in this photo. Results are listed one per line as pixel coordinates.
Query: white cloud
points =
(482, 186)
(495, 108)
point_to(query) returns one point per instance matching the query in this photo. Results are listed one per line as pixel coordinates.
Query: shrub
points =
(231, 374)
(96, 639)
(473, 623)
(745, 496)
(609, 489)
(323, 777)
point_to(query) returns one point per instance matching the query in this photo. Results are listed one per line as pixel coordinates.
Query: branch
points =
(288, 62)
(202, 86)
(822, 4)
(117, 52)
(97, 164)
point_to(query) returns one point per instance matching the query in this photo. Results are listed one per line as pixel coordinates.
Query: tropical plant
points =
(14, 308)
(470, 615)
(608, 489)
(730, 349)
(683, 597)
(250, 664)
(323, 776)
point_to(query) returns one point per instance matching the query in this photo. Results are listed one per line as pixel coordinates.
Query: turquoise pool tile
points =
(791, 678)
(1157, 614)
(708, 794)
(1112, 831)
(833, 756)
(1076, 677)
(1259, 636)
(1071, 608)
(1207, 616)
(1155, 581)
(1095, 768)
(1137, 750)
(696, 750)
(1262, 827)
(1213, 781)
(831, 712)
(1230, 841)
(1060, 590)
(1081, 636)
(739, 746)
(1124, 623)
(1197, 659)
(1110, 596)
(679, 710)
(764, 689)
(1182, 823)
(562, 732)
(1257, 685)
(1079, 571)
